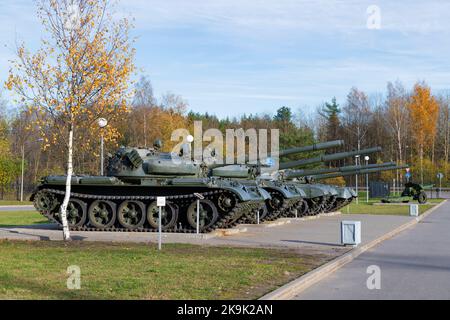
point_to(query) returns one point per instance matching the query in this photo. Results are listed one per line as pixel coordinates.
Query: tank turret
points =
(133, 164)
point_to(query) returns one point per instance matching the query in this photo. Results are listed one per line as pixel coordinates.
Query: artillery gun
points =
(412, 191)
(125, 199)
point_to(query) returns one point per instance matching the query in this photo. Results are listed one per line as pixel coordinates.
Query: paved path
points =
(17, 208)
(414, 265)
(321, 234)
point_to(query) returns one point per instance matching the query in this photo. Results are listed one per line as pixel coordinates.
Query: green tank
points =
(321, 198)
(348, 194)
(286, 197)
(125, 199)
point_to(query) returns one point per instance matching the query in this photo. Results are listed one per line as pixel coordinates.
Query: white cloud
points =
(282, 15)
(283, 51)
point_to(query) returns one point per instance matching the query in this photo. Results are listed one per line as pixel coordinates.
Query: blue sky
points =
(232, 57)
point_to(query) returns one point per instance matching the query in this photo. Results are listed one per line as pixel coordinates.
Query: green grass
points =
(20, 218)
(369, 208)
(14, 203)
(37, 270)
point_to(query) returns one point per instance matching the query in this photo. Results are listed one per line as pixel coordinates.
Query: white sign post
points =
(160, 202)
(440, 176)
(414, 210)
(199, 197)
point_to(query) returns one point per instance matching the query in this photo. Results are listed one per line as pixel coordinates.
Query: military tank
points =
(340, 196)
(285, 196)
(125, 199)
(320, 197)
(354, 170)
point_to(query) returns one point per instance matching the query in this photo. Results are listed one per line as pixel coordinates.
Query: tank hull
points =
(112, 204)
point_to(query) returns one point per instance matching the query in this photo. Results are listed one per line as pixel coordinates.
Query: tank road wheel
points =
(226, 201)
(208, 214)
(303, 208)
(253, 216)
(76, 213)
(422, 197)
(45, 202)
(169, 215)
(276, 202)
(102, 214)
(131, 214)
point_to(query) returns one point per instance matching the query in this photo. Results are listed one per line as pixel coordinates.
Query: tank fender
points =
(281, 188)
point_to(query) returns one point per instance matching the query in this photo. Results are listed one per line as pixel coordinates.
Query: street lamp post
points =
(102, 123)
(367, 158)
(22, 174)
(356, 162)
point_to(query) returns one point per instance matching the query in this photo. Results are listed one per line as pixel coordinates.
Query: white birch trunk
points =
(66, 231)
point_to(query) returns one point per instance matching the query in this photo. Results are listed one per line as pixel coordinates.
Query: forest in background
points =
(412, 125)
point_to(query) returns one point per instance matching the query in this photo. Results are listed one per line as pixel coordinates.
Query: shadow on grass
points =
(52, 293)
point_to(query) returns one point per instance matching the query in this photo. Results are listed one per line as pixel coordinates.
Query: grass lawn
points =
(14, 203)
(20, 218)
(369, 208)
(37, 270)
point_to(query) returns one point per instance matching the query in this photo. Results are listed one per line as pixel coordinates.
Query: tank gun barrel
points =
(328, 157)
(263, 162)
(289, 174)
(314, 147)
(355, 172)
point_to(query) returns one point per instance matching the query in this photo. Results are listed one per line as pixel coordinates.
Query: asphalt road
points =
(413, 265)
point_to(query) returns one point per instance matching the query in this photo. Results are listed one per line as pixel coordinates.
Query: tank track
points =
(301, 206)
(287, 205)
(227, 220)
(341, 204)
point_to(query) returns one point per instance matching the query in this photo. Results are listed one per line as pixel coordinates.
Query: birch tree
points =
(80, 73)
(397, 113)
(356, 116)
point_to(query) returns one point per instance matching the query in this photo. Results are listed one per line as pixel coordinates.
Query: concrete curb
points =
(398, 204)
(293, 288)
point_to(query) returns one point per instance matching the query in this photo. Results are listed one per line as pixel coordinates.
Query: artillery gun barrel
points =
(314, 147)
(328, 157)
(355, 172)
(290, 174)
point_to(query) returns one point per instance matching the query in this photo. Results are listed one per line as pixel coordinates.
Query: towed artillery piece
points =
(412, 191)
(125, 199)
